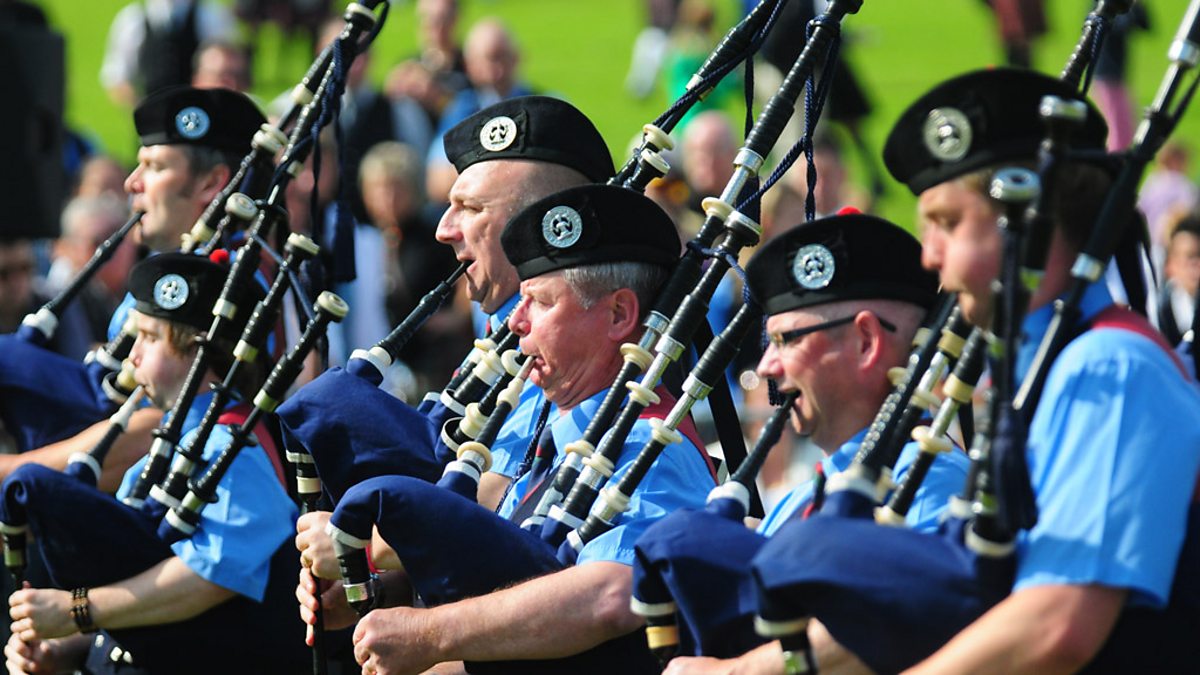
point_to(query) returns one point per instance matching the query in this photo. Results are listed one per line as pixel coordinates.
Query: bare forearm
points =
(170, 591)
(1046, 629)
(130, 446)
(553, 616)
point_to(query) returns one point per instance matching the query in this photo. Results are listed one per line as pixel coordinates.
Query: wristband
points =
(81, 612)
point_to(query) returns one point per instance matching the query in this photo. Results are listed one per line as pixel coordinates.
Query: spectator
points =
(1167, 192)
(438, 71)
(291, 16)
(86, 223)
(408, 260)
(709, 146)
(219, 63)
(171, 31)
(1108, 88)
(491, 58)
(20, 295)
(1020, 22)
(650, 46)
(101, 175)
(368, 117)
(1177, 300)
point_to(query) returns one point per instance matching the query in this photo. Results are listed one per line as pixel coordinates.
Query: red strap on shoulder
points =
(236, 416)
(661, 409)
(1116, 316)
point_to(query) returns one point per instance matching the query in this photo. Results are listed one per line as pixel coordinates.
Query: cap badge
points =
(947, 134)
(813, 267)
(498, 133)
(192, 122)
(170, 291)
(562, 226)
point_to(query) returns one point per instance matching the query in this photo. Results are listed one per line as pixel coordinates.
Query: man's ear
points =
(212, 182)
(870, 339)
(624, 311)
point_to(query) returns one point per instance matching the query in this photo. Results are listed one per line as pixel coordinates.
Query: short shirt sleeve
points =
(678, 479)
(1112, 469)
(238, 534)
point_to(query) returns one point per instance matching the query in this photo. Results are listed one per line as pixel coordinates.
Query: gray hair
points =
(591, 282)
(108, 207)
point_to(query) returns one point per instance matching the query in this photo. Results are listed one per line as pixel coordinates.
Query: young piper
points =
(192, 141)
(211, 603)
(1102, 579)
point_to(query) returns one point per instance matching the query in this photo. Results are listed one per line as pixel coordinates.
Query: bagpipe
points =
(853, 573)
(70, 522)
(374, 447)
(47, 397)
(68, 395)
(73, 522)
(896, 579)
(691, 574)
(435, 531)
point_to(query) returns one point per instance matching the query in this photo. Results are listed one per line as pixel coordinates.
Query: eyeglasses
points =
(786, 337)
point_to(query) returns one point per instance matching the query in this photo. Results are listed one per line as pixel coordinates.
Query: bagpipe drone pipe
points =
(45, 396)
(87, 538)
(811, 567)
(691, 575)
(360, 21)
(418, 519)
(341, 428)
(399, 440)
(686, 296)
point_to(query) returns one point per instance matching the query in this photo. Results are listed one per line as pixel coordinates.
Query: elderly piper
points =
(591, 259)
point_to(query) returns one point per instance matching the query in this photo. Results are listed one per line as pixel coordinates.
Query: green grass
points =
(580, 49)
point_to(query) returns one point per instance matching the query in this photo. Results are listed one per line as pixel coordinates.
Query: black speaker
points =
(32, 178)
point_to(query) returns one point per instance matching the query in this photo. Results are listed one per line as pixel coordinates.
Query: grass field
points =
(580, 49)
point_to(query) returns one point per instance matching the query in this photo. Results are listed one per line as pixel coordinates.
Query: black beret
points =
(977, 120)
(531, 127)
(216, 118)
(844, 257)
(183, 288)
(586, 225)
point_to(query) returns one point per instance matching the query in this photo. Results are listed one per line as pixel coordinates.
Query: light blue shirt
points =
(120, 315)
(252, 517)
(508, 450)
(679, 478)
(945, 478)
(1114, 450)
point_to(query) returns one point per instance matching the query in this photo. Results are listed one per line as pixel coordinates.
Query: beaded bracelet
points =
(81, 611)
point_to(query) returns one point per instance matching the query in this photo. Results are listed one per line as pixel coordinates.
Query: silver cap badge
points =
(947, 134)
(498, 133)
(562, 226)
(813, 267)
(170, 291)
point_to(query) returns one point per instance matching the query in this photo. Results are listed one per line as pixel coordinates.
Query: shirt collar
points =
(1096, 297)
(842, 458)
(502, 313)
(570, 427)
